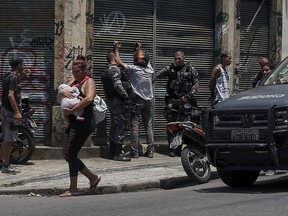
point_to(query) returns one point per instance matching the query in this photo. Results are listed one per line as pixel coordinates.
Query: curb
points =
(51, 153)
(164, 184)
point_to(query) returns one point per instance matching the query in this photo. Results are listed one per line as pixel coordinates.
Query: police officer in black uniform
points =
(115, 86)
(183, 84)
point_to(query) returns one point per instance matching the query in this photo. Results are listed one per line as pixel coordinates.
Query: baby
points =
(70, 102)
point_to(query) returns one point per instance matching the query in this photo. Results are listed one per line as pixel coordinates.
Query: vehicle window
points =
(279, 75)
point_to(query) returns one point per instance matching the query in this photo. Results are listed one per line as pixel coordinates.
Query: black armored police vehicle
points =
(248, 132)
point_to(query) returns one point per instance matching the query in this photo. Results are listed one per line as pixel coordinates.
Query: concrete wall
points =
(74, 37)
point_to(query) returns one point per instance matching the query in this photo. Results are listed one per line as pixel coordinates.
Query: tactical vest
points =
(126, 83)
(180, 81)
(108, 84)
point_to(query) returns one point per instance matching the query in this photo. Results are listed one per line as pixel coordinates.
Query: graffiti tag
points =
(222, 17)
(41, 42)
(72, 53)
(113, 24)
(59, 28)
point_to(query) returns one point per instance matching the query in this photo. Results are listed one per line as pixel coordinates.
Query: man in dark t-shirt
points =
(10, 110)
(10, 82)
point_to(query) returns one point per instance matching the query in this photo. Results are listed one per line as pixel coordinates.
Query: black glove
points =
(172, 66)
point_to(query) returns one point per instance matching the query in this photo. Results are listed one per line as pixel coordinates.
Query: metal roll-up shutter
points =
(254, 41)
(187, 26)
(27, 31)
(127, 21)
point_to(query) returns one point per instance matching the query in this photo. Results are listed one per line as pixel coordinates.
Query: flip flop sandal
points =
(69, 194)
(94, 186)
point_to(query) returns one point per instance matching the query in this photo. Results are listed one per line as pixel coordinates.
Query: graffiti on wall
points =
(35, 84)
(43, 42)
(72, 54)
(113, 24)
(222, 17)
(59, 28)
(89, 17)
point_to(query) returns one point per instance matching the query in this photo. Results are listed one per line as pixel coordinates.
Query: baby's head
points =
(62, 87)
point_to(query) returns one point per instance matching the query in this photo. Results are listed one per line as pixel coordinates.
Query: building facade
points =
(49, 34)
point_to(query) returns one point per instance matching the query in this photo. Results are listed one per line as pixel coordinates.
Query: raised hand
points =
(137, 46)
(117, 45)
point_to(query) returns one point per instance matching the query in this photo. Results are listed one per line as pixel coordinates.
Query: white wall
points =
(285, 29)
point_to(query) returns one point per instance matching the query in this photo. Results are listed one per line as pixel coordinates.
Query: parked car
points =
(248, 132)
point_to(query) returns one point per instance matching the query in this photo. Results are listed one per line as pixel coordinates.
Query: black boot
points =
(111, 151)
(118, 156)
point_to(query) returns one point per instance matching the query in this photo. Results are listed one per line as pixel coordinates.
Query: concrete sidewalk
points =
(51, 177)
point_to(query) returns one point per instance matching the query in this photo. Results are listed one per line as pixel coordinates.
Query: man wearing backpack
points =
(117, 100)
(182, 85)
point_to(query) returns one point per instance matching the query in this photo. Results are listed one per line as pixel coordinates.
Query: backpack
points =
(99, 109)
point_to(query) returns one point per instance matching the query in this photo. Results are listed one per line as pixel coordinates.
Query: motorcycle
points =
(186, 133)
(23, 148)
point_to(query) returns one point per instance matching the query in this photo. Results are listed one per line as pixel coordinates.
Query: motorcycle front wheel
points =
(23, 149)
(195, 164)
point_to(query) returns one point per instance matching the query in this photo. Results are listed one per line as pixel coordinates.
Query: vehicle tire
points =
(198, 171)
(238, 178)
(23, 149)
